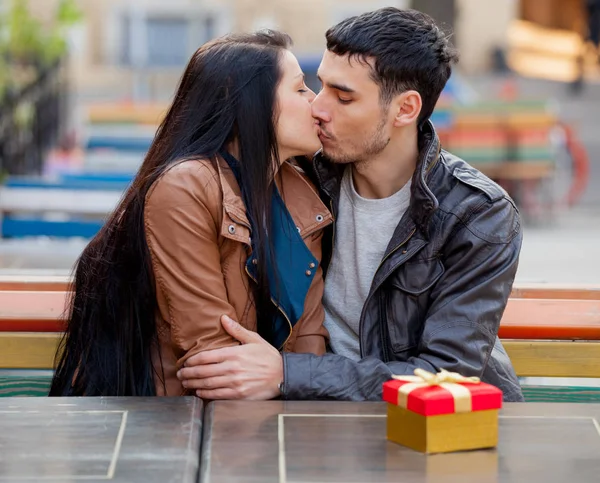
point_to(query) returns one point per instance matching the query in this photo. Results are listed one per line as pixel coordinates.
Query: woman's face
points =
(297, 131)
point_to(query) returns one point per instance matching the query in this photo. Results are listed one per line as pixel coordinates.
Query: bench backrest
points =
(544, 337)
(524, 318)
(33, 283)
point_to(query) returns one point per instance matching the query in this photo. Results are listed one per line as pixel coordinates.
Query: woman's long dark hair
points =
(227, 93)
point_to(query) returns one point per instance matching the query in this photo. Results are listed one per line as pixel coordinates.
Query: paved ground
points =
(566, 252)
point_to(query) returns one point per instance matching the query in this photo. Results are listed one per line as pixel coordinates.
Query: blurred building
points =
(137, 48)
(548, 39)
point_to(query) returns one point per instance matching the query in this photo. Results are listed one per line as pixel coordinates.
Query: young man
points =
(425, 248)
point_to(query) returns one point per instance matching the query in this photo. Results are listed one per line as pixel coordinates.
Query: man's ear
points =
(407, 107)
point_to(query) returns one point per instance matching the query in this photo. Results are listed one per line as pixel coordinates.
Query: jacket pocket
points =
(416, 278)
(407, 300)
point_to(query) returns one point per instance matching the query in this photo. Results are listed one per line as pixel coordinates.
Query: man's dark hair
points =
(410, 52)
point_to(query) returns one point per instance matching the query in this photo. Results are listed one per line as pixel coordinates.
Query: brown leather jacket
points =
(199, 240)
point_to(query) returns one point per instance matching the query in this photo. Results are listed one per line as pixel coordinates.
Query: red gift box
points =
(435, 394)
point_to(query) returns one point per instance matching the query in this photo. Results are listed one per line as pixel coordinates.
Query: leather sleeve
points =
(181, 219)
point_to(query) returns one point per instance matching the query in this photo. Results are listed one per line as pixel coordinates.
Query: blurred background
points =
(84, 83)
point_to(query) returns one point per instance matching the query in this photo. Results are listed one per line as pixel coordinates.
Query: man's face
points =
(354, 126)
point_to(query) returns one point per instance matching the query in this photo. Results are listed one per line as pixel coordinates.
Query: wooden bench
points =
(514, 141)
(553, 332)
(548, 332)
(126, 113)
(29, 205)
(559, 336)
(34, 283)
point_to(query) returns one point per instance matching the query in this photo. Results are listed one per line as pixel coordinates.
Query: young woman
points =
(219, 220)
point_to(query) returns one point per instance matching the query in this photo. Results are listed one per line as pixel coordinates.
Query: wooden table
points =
(298, 441)
(98, 439)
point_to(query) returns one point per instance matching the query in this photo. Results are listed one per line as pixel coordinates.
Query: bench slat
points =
(523, 318)
(24, 311)
(543, 291)
(15, 227)
(41, 283)
(39, 200)
(27, 350)
(553, 358)
(551, 319)
(32, 325)
(25, 383)
(24, 305)
(22, 350)
(520, 291)
(565, 394)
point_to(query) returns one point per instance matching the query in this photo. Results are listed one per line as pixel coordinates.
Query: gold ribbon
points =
(451, 381)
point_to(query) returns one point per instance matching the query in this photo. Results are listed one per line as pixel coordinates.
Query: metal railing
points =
(32, 121)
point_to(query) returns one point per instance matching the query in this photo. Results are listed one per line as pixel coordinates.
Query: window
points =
(167, 41)
(161, 39)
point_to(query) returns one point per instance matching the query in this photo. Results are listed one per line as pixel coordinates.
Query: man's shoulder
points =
(474, 181)
(477, 202)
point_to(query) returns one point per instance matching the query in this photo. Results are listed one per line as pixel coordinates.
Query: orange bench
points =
(556, 336)
(551, 319)
(553, 331)
(525, 317)
(40, 283)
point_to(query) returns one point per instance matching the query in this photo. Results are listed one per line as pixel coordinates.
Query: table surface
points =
(301, 442)
(98, 439)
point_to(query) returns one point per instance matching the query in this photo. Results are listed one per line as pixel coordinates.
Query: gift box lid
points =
(440, 395)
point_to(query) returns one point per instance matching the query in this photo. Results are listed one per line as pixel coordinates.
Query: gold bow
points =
(451, 381)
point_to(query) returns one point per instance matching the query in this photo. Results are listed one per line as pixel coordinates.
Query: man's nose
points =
(319, 110)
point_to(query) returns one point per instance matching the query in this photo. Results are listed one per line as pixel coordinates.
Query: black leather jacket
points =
(438, 295)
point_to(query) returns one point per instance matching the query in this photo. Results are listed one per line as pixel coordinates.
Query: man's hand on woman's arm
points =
(252, 370)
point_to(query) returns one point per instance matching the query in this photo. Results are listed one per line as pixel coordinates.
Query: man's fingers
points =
(238, 332)
(212, 383)
(213, 356)
(204, 371)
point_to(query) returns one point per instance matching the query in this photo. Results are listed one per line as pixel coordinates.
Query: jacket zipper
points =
(360, 326)
(385, 338)
(285, 316)
(333, 231)
(414, 229)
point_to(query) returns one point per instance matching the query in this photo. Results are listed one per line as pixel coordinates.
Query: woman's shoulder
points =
(190, 171)
(184, 180)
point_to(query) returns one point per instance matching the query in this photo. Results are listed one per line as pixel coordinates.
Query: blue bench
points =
(118, 143)
(72, 205)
